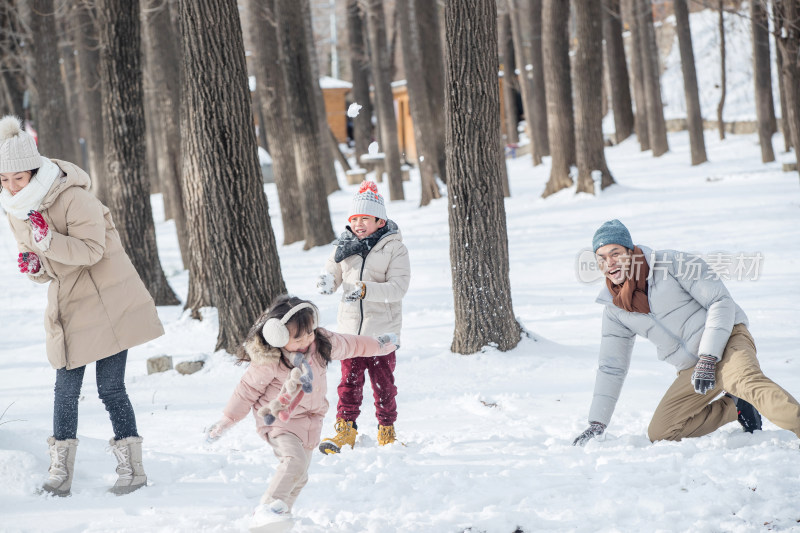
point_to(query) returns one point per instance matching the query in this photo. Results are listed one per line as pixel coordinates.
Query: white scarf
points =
(30, 198)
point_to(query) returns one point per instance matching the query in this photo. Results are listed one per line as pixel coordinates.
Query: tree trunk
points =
(478, 238)
(430, 34)
(509, 78)
(763, 79)
(220, 160)
(590, 148)
(558, 91)
(617, 71)
(694, 118)
(12, 82)
(778, 24)
(271, 89)
(326, 153)
(90, 96)
(123, 127)
(722, 80)
(359, 67)
(303, 121)
(66, 52)
(540, 133)
(424, 133)
(639, 94)
(384, 101)
(652, 80)
(789, 46)
(53, 125)
(522, 34)
(163, 60)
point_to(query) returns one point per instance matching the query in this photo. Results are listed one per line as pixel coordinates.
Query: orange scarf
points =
(631, 295)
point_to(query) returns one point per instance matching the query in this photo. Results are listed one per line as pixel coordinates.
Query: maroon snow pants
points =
(351, 387)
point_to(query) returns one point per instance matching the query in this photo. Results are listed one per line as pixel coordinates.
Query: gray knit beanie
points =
(367, 201)
(612, 232)
(18, 151)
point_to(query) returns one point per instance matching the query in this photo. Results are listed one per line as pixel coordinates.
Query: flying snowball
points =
(353, 110)
(373, 148)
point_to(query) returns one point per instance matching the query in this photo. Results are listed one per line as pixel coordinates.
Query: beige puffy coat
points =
(386, 272)
(97, 305)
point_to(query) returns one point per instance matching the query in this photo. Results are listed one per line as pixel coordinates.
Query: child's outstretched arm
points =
(331, 276)
(345, 346)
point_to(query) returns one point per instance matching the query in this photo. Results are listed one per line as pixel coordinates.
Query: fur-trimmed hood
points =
(256, 349)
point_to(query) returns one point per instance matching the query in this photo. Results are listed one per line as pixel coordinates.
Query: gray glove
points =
(704, 376)
(388, 338)
(595, 429)
(325, 283)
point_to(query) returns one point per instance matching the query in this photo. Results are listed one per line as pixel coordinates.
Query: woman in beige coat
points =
(97, 306)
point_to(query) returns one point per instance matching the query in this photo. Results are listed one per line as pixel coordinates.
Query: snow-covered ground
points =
(487, 437)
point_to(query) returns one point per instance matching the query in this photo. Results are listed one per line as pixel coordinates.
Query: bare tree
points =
(123, 128)
(55, 131)
(652, 78)
(271, 90)
(777, 16)
(304, 121)
(430, 33)
(526, 29)
(359, 67)
(220, 162)
(12, 65)
(588, 76)
(640, 124)
(722, 76)
(424, 132)
(329, 148)
(90, 96)
(478, 236)
(510, 85)
(558, 91)
(788, 37)
(617, 70)
(694, 119)
(765, 114)
(384, 102)
(163, 63)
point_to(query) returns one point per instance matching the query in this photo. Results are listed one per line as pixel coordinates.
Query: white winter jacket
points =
(386, 272)
(691, 314)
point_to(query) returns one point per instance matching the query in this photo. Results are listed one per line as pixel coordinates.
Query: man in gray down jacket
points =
(675, 300)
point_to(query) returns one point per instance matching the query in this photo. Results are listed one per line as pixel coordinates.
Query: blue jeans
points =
(111, 389)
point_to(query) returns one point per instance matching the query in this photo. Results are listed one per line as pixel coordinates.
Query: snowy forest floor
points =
(486, 437)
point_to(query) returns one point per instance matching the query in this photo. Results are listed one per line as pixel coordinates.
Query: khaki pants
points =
(685, 413)
(292, 472)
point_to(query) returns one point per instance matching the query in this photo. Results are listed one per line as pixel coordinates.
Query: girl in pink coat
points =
(285, 387)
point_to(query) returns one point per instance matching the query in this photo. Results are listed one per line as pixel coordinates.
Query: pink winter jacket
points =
(264, 377)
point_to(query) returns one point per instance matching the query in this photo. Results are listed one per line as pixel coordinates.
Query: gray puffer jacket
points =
(691, 314)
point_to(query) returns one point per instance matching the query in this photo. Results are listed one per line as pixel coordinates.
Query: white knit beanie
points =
(18, 151)
(367, 201)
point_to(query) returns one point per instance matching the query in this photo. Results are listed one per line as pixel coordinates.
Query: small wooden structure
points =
(334, 92)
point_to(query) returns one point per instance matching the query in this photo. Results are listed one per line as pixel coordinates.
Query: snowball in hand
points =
(353, 110)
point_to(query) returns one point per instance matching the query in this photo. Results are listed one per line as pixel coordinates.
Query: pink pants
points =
(381, 375)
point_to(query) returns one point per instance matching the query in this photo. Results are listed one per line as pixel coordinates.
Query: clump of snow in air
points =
(353, 110)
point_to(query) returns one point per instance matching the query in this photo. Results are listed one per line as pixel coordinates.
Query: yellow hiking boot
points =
(345, 434)
(386, 435)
